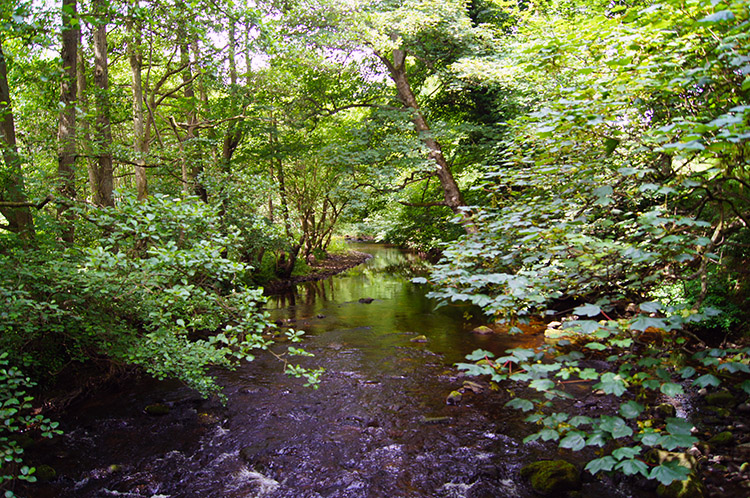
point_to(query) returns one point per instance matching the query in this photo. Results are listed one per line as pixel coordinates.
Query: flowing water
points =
(378, 426)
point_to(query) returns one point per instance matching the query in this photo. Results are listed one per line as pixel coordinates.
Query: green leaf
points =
(606, 463)
(671, 389)
(668, 472)
(734, 367)
(612, 384)
(632, 467)
(707, 380)
(722, 15)
(596, 346)
(520, 404)
(687, 372)
(626, 452)
(542, 384)
(679, 426)
(580, 420)
(479, 354)
(573, 441)
(587, 310)
(644, 322)
(549, 435)
(631, 409)
(615, 426)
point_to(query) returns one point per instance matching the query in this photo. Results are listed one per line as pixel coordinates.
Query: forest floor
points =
(335, 263)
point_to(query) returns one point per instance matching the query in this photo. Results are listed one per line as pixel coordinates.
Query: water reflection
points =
(379, 296)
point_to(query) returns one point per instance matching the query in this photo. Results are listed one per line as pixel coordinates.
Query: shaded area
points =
(377, 426)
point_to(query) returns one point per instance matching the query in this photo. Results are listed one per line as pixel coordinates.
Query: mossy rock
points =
(721, 398)
(156, 409)
(44, 473)
(454, 398)
(719, 411)
(722, 439)
(665, 410)
(483, 330)
(552, 477)
(691, 487)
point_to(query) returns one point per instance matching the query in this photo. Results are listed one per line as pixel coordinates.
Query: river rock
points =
(722, 439)
(454, 398)
(665, 410)
(366, 300)
(691, 487)
(472, 386)
(483, 330)
(419, 338)
(552, 477)
(721, 398)
(45, 473)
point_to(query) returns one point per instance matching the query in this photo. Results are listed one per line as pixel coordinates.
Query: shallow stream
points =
(378, 426)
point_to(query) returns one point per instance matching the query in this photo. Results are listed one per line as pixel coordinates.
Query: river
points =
(378, 426)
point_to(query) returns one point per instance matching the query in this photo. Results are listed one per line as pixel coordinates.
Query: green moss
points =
(689, 488)
(722, 439)
(552, 477)
(45, 473)
(454, 398)
(156, 409)
(721, 398)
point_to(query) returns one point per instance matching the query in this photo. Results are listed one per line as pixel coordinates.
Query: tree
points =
(66, 132)
(13, 203)
(101, 176)
(135, 56)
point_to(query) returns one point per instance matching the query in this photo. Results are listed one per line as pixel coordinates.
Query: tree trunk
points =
(66, 129)
(451, 193)
(139, 136)
(11, 180)
(192, 121)
(103, 177)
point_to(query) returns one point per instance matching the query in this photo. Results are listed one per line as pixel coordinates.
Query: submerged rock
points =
(156, 409)
(45, 473)
(552, 477)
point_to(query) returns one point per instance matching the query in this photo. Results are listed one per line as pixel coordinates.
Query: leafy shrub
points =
(156, 289)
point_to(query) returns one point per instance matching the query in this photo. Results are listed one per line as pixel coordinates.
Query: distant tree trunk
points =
(192, 119)
(139, 135)
(11, 179)
(451, 192)
(234, 134)
(103, 187)
(66, 129)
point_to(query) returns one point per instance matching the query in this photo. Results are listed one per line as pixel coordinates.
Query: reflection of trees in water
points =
(307, 294)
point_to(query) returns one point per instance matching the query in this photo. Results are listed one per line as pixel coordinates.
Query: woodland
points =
(579, 160)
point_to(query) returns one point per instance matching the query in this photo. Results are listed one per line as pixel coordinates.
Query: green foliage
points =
(18, 421)
(155, 289)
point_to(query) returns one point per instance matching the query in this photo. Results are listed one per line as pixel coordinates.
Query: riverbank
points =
(332, 265)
